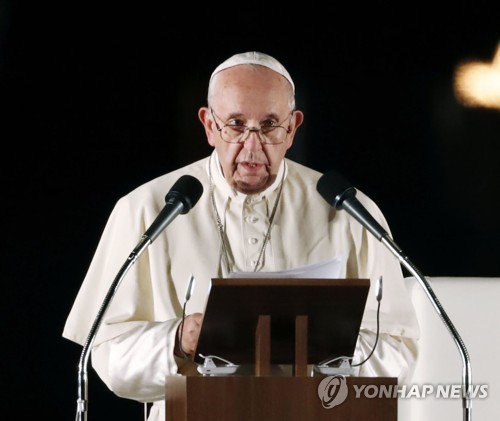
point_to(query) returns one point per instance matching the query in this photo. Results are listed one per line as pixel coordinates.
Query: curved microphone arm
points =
(466, 371)
(334, 185)
(183, 195)
(82, 402)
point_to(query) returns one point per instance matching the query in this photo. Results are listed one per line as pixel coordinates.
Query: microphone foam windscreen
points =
(188, 190)
(332, 184)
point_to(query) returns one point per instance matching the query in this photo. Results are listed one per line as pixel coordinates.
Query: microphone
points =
(181, 198)
(340, 194)
(337, 191)
(183, 195)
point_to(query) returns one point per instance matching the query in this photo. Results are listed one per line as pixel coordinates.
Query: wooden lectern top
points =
(334, 309)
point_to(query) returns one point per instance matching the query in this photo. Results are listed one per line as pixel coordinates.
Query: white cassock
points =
(133, 350)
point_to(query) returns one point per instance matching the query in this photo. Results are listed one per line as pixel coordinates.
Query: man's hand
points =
(188, 337)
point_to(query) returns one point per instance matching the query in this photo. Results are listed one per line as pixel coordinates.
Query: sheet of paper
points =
(329, 269)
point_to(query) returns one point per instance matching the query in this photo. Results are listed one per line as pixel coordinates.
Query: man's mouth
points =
(252, 165)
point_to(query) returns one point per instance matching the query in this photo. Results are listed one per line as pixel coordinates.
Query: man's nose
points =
(252, 141)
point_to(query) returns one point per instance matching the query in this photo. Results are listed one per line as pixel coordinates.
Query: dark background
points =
(97, 99)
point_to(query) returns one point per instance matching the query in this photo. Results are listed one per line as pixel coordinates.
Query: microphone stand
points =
(466, 371)
(333, 184)
(179, 200)
(82, 402)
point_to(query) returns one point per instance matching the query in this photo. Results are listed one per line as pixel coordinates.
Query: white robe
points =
(133, 350)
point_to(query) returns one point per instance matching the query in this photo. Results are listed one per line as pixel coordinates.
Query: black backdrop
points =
(97, 99)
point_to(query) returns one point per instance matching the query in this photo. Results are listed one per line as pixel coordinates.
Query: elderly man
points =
(259, 211)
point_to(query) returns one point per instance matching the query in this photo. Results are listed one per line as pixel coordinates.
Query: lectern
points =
(269, 325)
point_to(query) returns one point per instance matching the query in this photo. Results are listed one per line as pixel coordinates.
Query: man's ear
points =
(296, 121)
(208, 124)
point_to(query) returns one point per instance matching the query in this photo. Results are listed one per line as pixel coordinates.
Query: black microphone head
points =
(335, 188)
(186, 189)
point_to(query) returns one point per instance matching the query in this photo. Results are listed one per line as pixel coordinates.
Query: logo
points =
(332, 391)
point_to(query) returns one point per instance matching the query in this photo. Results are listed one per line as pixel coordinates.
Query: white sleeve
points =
(134, 365)
(394, 356)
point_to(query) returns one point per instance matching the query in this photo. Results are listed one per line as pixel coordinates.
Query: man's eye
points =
(237, 127)
(235, 123)
(269, 123)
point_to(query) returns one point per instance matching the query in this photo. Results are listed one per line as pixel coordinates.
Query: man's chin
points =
(253, 186)
(246, 188)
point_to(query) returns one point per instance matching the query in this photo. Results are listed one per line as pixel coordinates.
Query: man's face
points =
(253, 97)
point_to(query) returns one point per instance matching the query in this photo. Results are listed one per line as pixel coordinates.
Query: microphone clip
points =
(209, 368)
(340, 365)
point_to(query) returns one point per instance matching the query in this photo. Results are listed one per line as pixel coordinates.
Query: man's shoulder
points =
(157, 188)
(304, 177)
(302, 172)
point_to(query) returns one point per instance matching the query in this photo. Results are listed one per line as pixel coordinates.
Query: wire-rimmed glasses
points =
(269, 133)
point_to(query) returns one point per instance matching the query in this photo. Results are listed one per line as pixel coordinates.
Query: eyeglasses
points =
(269, 133)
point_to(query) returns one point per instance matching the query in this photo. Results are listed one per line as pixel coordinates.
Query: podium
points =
(269, 323)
